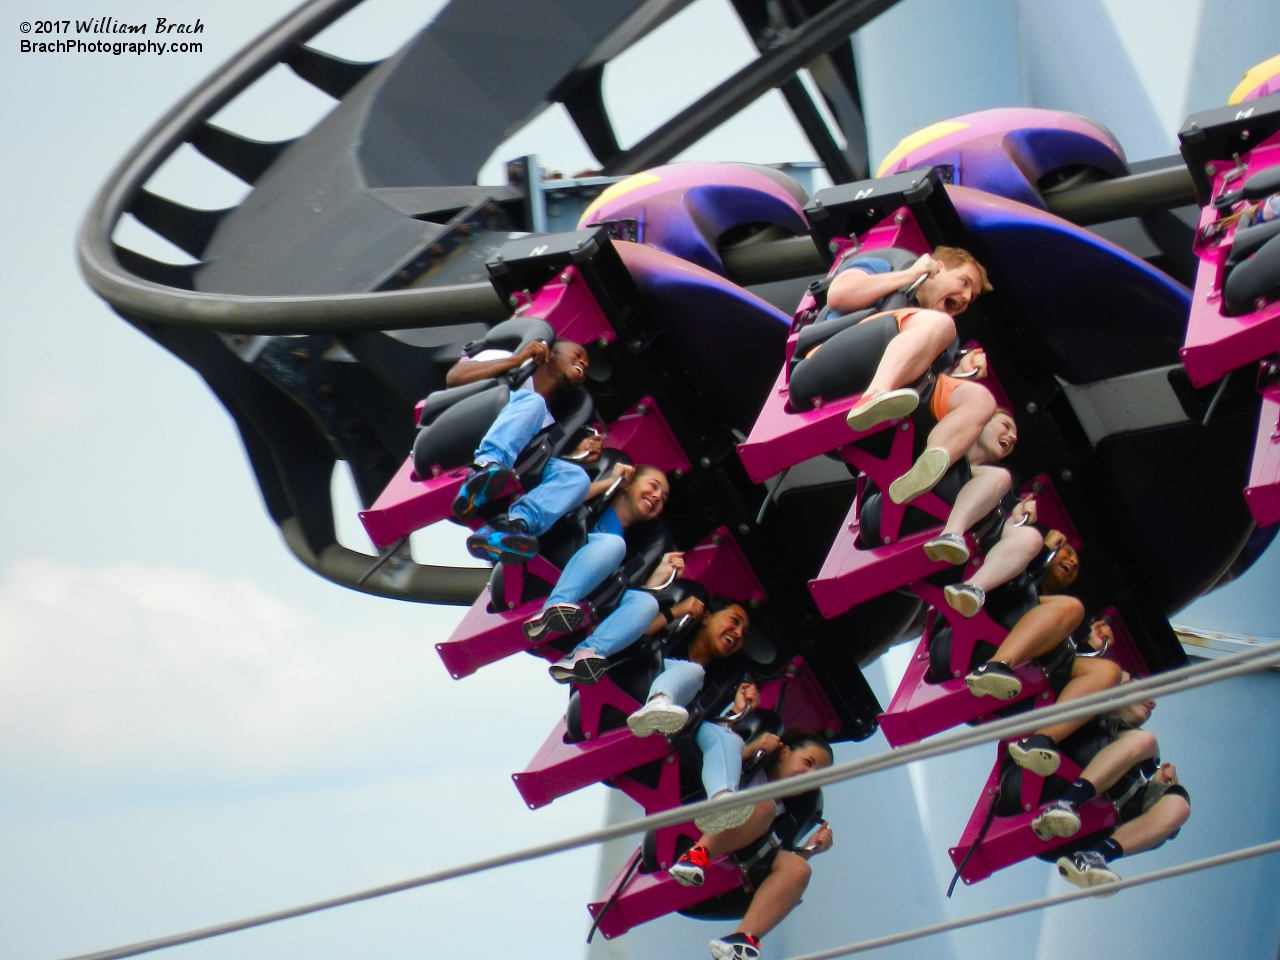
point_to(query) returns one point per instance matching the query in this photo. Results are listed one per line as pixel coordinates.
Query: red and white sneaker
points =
(689, 870)
(736, 946)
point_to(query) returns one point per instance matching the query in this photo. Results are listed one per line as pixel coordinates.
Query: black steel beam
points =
(791, 52)
(816, 130)
(1136, 195)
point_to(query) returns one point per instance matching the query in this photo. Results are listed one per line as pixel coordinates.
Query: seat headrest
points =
(573, 409)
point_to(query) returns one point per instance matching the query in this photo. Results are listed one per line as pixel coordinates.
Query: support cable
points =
(1222, 859)
(1174, 681)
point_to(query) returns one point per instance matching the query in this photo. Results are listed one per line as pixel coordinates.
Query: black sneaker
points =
(1037, 753)
(993, 679)
(736, 946)
(1088, 868)
(556, 618)
(482, 485)
(508, 541)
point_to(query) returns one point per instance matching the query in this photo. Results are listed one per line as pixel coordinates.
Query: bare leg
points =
(969, 408)
(1118, 757)
(1018, 546)
(1087, 676)
(923, 336)
(778, 895)
(1040, 630)
(717, 845)
(977, 498)
(1149, 830)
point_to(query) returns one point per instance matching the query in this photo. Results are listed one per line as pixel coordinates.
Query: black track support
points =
(582, 94)
(326, 72)
(816, 130)
(245, 158)
(187, 228)
(789, 53)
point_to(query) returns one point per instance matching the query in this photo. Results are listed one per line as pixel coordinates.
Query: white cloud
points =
(136, 674)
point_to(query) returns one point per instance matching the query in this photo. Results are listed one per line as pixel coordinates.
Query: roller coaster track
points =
(158, 301)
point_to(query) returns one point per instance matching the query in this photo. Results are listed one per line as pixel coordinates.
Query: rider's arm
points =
(485, 365)
(860, 284)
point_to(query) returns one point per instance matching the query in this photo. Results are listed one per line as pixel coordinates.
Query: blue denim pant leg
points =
(600, 556)
(680, 680)
(721, 758)
(563, 488)
(624, 626)
(516, 425)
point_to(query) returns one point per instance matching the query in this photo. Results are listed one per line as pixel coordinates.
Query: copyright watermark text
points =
(109, 35)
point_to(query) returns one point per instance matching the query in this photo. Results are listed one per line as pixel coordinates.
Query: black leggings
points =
(845, 364)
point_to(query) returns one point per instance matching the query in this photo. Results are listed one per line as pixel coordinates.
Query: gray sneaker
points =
(557, 618)
(964, 598)
(947, 547)
(1058, 820)
(1088, 868)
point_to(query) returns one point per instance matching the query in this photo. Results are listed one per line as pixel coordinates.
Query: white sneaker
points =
(922, 477)
(719, 822)
(659, 715)
(876, 408)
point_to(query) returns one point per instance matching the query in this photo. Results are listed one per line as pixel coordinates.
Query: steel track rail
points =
(145, 300)
(1175, 681)
(226, 313)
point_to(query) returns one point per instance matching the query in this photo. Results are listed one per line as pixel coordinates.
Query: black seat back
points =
(457, 428)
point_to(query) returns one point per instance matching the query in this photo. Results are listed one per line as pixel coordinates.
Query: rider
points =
(973, 486)
(1041, 627)
(709, 677)
(642, 499)
(564, 485)
(771, 846)
(908, 343)
(1121, 763)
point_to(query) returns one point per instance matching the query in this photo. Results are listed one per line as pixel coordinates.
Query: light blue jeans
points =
(600, 556)
(721, 747)
(595, 560)
(564, 485)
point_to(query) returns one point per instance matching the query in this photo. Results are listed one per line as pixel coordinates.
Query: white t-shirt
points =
(495, 354)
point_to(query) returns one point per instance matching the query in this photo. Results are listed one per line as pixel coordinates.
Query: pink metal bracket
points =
(1263, 492)
(567, 304)
(720, 566)
(645, 436)
(647, 896)
(1217, 344)
(1010, 840)
(920, 709)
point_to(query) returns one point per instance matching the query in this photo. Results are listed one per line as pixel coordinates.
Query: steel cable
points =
(1222, 859)
(1174, 681)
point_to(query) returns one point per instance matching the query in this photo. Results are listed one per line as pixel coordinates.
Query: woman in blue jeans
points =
(642, 499)
(709, 656)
